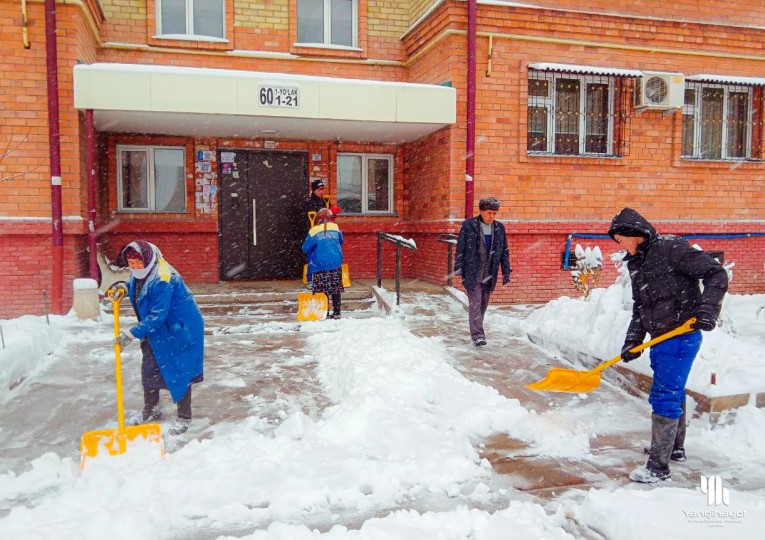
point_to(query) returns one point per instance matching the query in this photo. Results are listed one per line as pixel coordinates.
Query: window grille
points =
(722, 122)
(572, 114)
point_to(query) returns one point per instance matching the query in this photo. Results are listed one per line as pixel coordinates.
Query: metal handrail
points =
(399, 243)
(450, 240)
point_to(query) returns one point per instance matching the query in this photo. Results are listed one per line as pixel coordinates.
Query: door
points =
(261, 220)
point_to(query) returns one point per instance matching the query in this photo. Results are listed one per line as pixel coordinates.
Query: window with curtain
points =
(721, 122)
(151, 179)
(570, 114)
(327, 22)
(185, 18)
(365, 183)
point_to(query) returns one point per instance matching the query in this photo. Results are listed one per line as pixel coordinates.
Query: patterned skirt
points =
(328, 281)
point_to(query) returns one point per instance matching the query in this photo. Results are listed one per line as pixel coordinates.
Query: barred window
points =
(722, 122)
(571, 114)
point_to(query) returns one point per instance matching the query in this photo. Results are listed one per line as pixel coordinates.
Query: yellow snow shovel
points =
(115, 441)
(312, 307)
(581, 382)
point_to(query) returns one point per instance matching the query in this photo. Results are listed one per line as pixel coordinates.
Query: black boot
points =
(678, 450)
(663, 433)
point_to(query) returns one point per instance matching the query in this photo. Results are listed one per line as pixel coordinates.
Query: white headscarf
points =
(150, 255)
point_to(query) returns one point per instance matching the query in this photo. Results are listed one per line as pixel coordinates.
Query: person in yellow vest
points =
(323, 246)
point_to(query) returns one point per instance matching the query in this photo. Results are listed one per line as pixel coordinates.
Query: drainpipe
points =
(470, 143)
(54, 142)
(90, 164)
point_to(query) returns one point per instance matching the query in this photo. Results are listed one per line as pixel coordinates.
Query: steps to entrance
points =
(230, 304)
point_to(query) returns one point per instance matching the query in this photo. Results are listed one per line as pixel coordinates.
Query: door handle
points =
(254, 224)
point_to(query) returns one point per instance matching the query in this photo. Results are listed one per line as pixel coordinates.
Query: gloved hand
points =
(628, 356)
(704, 322)
(505, 279)
(125, 339)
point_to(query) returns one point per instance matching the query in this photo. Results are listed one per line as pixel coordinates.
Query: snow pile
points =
(669, 513)
(524, 519)
(400, 427)
(29, 347)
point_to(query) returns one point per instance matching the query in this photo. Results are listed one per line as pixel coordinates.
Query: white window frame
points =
(365, 183)
(696, 110)
(150, 179)
(189, 35)
(550, 100)
(327, 43)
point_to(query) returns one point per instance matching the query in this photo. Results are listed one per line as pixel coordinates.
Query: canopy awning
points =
(727, 79)
(169, 100)
(585, 70)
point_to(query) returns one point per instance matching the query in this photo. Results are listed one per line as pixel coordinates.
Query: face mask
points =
(140, 273)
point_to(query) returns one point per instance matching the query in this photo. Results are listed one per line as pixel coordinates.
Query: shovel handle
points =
(684, 329)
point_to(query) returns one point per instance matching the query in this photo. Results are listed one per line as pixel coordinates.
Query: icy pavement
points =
(336, 423)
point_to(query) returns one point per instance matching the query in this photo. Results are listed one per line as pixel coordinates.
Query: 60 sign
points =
(279, 96)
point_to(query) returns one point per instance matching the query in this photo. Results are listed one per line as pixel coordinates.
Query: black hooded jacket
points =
(665, 274)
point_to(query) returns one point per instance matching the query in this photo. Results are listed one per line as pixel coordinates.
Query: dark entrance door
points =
(261, 223)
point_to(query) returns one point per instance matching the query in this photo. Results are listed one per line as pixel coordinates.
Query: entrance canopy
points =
(168, 100)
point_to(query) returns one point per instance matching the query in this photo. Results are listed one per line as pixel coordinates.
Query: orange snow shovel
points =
(581, 382)
(116, 441)
(312, 307)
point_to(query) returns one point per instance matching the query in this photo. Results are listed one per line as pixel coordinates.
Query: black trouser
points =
(151, 400)
(336, 303)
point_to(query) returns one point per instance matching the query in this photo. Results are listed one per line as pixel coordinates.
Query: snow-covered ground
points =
(386, 445)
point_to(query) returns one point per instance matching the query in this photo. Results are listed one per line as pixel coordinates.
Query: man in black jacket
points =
(665, 272)
(481, 249)
(315, 201)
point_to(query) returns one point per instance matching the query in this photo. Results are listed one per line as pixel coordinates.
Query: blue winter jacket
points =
(172, 322)
(324, 248)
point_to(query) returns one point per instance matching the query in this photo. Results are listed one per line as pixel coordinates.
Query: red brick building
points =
(211, 117)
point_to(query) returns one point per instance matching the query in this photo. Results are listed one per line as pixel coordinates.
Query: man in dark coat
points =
(481, 249)
(665, 272)
(316, 201)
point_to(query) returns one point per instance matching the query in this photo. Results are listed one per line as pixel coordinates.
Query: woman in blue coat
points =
(323, 245)
(171, 331)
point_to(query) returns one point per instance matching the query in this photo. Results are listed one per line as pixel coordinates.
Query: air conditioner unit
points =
(660, 91)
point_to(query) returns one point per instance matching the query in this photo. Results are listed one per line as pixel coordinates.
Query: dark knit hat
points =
(318, 183)
(489, 203)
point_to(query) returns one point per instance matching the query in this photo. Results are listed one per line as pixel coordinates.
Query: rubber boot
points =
(663, 433)
(678, 451)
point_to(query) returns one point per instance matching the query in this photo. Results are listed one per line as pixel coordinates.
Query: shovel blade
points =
(312, 307)
(568, 380)
(115, 442)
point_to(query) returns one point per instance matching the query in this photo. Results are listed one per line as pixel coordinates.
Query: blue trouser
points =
(671, 363)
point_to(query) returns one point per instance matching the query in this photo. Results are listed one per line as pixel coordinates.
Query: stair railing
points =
(400, 242)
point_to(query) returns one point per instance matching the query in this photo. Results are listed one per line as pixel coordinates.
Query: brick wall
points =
(746, 12)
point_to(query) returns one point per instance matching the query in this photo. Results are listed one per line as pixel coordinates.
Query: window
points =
(151, 179)
(719, 122)
(365, 183)
(183, 18)
(328, 22)
(576, 114)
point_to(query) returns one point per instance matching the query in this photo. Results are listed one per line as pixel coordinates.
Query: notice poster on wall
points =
(205, 182)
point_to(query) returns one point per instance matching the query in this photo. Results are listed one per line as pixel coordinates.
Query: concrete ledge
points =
(704, 404)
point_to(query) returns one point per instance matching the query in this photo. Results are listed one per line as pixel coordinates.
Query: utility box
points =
(86, 304)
